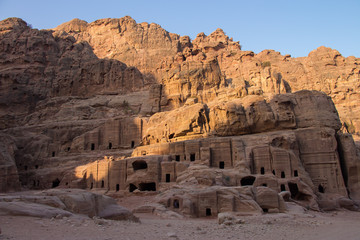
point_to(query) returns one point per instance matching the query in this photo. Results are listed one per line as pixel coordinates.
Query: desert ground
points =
(295, 224)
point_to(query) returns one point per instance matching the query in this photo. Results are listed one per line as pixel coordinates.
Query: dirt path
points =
(335, 225)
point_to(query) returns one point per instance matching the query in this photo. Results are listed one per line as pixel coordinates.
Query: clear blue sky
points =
(288, 26)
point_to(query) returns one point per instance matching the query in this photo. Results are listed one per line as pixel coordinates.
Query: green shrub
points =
(265, 64)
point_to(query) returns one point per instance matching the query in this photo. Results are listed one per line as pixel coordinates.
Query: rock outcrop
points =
(64, 203)
(128, 107)
(191, 68)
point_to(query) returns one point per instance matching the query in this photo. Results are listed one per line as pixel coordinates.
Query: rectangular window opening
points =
(208, 212)
(167, 176)
(221, 165)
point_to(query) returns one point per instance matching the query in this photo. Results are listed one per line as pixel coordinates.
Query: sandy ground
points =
(311, 225)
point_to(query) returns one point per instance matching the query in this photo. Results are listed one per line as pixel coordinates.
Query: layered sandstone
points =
(127, 107)
(189, 68)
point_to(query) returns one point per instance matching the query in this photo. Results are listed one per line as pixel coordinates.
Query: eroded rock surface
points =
(63, 203)
(123, 107)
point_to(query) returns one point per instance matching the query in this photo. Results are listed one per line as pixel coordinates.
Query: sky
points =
(287, 26)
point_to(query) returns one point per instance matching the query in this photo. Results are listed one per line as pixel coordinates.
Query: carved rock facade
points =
(214, 128)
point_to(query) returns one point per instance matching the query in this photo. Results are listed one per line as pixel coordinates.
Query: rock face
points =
(198, 68)
(64, 203)
(128, 107)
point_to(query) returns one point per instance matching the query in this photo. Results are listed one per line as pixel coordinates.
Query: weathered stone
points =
(64, 203)
(118, 106)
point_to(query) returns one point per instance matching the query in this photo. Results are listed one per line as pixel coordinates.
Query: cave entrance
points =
(192, 157)
(132, 187)
(139, 164)
(147, 186)
(167, 176)
(176, 203)
(208, 211)
(294, 190)
(55, 183)
(321, 188)
(247, 181)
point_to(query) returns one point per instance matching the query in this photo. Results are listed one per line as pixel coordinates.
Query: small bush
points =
(265, 64)
(125, 104)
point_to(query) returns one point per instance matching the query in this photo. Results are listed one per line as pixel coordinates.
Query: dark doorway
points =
(117, 187)
(176, 203)
(36, 166)
(192, 157)
(321, 188)
(102, 184)
(132, 144)
(68, 149)
(264, 185)
(282, 174)
(167, 177)
(25, 167)
(265, 210)
(221, 165)
(296, 173)
(53, 154)
(92, 146)
(147, 186)
(282, 187)
(262, 171)
(177, 158)
(55, 183)
(247, 181)
(132, 187)
(140, 164)
(273, 172)
(208, 212)
(91, 185)
(110, 145)
(294, 190)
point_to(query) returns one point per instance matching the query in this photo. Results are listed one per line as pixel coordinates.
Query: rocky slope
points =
(188, 68)
(75, 94)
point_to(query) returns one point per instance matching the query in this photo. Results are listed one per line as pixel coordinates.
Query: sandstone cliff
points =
(199, 113)
(188, 68)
